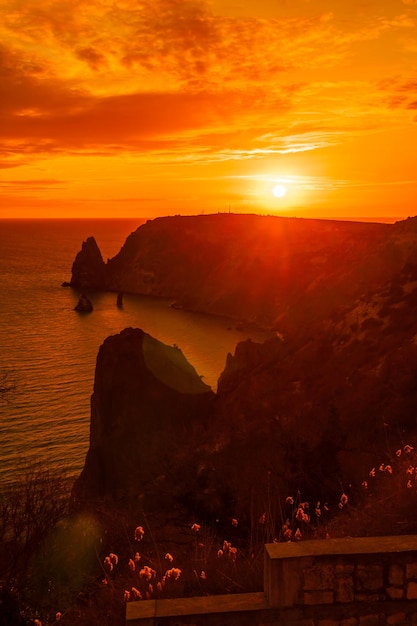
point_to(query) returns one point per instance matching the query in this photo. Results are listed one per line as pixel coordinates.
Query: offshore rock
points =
(88, 269)
(84, 305)
(146, 405)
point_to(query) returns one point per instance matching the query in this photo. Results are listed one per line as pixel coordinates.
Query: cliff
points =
(146, 401)
(274, 271)
(311, 410)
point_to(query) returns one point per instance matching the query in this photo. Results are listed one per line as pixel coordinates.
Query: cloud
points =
(173, 79)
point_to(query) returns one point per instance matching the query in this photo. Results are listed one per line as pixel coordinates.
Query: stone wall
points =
(367, 581)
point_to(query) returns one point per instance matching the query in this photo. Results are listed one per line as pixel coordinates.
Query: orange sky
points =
(154, 107)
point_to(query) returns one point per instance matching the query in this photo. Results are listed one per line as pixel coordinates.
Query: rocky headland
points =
(273, 271)
(312, 409)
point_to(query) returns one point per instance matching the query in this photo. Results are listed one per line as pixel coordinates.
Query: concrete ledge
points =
(348, 545)
(178, 607)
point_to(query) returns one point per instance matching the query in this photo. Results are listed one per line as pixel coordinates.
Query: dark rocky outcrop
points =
(88, 269)
(146, 403)
(84, 305)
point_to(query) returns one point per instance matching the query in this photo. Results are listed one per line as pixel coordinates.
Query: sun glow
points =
(279, 191)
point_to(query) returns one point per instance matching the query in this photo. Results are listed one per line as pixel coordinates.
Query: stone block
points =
(318, 597)
(396, 574)
(319, 577)
(369, 577)
(344, 589)
(397, 618)
(344, 569)
(370, 620)
(412, 591)
(411, 570)
(395, 593)
(368, 597)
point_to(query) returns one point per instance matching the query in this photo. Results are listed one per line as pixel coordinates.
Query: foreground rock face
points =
(146, 401)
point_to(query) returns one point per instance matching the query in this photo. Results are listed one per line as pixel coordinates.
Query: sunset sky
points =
(139, 108)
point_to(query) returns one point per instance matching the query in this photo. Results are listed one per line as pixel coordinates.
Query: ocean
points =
(49, 350)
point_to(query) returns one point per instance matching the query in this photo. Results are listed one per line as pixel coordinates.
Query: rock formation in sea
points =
(84, 304)
(88, 269)
(146, 405)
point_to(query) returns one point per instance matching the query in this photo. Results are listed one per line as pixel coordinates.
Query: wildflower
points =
(174, 573)
(372, 472)
(410, 470)
(108, 564)
(104, 581)
(365, 484)
(113, 558)
(304, 505)
(37, 622)
(408, 449)
(226, 546)
(150, 588)
(409, 484)
(317, 510)
(297, 535)
(169, 557)
(203, 575)
(388, 469)
(135, 594)
(219, 553)
(195, 528)
(233, 553)
(132, 565)
(287, 534)
(159, 586)
(147, 572)
(234, 521)
(137, 557)
(300, 514)
(398, 452)
(340, 505)
(289, 500)
(58, 616)
(381, 467)
(139, 532)
(344, 499)
(126, 596)
(262, 519)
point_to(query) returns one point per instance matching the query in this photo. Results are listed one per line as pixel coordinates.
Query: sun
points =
(279, 191)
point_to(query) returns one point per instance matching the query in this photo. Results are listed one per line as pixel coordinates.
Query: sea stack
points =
(84, 305)
(88, 269)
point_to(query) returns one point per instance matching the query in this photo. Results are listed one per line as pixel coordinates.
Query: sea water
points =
(49, 350)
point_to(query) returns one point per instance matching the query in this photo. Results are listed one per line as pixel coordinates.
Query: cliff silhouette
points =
(312, 409)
